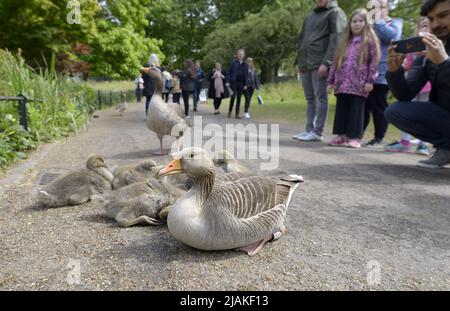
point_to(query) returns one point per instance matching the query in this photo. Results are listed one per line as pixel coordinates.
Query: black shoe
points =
(195, 109)
(216, 113)
(374, 143)
(238, 117)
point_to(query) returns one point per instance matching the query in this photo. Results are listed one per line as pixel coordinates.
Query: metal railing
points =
(110, 98)
(22, 107)
(104, 98)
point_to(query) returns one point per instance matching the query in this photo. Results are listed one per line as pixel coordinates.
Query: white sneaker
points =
(301, 136)
(246, 115)
(312, 137)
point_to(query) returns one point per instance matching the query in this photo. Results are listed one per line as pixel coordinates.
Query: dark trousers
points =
(166, 97)
(424, 120)
(349, 117)
(198, 89)
(217, 103)
(139, 95)
(376, 105)
(186, 95)
(238, 91)
(248, 98)
(148, 99)
(176, 97)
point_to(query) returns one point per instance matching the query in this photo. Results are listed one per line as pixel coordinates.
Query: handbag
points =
(260, 100)
(202, 97)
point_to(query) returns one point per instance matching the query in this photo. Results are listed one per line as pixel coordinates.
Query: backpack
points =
(168, 85)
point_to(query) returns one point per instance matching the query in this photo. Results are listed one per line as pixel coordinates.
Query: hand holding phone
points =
(409, 45)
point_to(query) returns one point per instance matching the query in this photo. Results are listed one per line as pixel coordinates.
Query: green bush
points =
(66, 106)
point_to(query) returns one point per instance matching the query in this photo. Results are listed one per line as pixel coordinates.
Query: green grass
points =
(285, 103)
(113, 85)
(65, 108)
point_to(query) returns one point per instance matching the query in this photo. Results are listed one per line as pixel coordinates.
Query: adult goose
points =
(162, 119)
(242, 214)
(77, 188)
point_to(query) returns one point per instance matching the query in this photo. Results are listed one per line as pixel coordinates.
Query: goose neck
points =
(203, 186)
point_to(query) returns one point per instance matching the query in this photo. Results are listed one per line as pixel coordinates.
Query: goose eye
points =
(192, 155)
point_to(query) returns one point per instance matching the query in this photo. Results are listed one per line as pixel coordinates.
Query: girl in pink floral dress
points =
(354, 70)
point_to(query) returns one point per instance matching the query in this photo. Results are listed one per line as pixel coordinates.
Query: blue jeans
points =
(198, 89)
(424, 120)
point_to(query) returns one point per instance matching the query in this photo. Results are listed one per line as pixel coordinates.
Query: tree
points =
(182, 26)
(269, 37)
(120, 46)
(230, 11)
(40, 27)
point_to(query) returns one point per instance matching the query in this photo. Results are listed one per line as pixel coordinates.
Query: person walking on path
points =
(168, 84)
(237, 78)
(428, 121)
(176, 90)
(217, 88)
(149, 84)
(252, 85)
(321, 31)
(139, 82)
(405, 145)
(199, 79)
(187, 81)
(387, 29)
(352, 75)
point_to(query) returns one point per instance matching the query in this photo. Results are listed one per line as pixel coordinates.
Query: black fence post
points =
(121, 97)
(23, 112)
(110, 98)
(99, 98)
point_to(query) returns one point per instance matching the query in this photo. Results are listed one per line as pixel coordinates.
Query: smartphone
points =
(409, 45)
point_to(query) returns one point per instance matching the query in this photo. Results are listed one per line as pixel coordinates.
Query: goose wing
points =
(245, 197)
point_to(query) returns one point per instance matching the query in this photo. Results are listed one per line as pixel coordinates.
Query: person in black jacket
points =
(187, 81)
(252, 85)
(237, 78)
(149, 88)
(217, 88)
(428, 121)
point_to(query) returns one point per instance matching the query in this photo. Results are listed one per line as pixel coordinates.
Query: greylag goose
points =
(242, 214)
(229, 164)
(77, 188)
(139, 203)
(120, 108)
(162, 119)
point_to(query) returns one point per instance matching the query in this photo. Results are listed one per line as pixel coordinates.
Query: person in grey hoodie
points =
(321, 31)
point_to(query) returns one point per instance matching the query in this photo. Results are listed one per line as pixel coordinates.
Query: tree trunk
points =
(268, 73)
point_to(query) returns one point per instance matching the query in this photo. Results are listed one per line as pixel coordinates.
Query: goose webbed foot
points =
(256, 247)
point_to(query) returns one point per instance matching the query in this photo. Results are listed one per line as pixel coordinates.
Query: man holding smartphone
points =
(428, 121)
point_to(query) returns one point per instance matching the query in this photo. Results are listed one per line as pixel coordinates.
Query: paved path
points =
(355, 208)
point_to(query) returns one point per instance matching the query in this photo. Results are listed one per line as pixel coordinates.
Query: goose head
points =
(149, 166)
(97, 164)
(194, 162)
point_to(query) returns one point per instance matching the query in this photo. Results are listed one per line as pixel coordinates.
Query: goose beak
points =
(173, 168)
